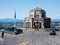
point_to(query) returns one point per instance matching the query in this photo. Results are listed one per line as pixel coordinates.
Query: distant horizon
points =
(10, 18)
(23, 19)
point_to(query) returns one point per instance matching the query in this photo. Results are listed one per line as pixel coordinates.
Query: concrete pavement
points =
(31, 38)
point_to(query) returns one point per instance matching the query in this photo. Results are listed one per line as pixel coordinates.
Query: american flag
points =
(15, 14)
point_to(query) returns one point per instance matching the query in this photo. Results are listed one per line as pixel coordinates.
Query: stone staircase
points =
(32, 30)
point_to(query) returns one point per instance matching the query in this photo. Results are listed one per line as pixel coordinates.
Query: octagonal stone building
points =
(37, 19)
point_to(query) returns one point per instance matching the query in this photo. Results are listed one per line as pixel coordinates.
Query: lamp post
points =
(2, 34)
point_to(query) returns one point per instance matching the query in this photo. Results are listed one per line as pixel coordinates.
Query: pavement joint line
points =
(44, 41)
(24, 42)
(1, 39)
(34, 42)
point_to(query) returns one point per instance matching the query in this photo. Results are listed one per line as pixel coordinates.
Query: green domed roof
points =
(36, 9)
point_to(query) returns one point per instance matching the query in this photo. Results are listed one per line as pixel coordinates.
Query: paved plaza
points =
(31, 38)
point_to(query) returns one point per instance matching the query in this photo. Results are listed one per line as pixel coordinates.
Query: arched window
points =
(28, 25)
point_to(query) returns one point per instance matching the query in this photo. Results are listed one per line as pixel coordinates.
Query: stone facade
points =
(37, 19)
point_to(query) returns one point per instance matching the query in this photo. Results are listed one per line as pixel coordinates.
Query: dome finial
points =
(37, 7)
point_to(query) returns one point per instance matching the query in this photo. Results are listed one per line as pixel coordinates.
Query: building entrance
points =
(37, 25)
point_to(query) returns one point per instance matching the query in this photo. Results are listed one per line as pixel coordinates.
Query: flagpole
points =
(15, 18)
(14, 21)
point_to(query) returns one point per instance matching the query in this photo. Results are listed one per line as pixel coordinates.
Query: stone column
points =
(42, 25)
(31, 23)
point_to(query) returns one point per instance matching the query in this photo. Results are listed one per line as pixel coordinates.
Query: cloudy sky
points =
(7, 7)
